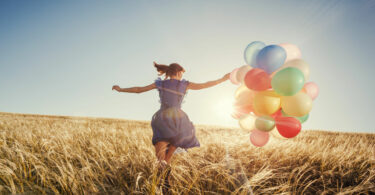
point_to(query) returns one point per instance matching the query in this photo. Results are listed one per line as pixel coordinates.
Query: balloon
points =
(277, 114)
(256, 113)
(244, 102)
(236, 115)
(247, 122)
(257, 79)
(275, 133)
(243, 109)
(266, 102)
(265, 123)
(242, 72)
(288, 126)
(292, 51)
(301, 65)
(241, 89)
(233, 78)
(288, 81)
(311, 89)
(270, 58)
(259, 138)
(298, 105)
(301, 119)
(244, 97)
(272, 92)
(252, 51)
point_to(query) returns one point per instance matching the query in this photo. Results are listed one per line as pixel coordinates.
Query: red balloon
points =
(277, 114)
(288, 126)
(257, 79)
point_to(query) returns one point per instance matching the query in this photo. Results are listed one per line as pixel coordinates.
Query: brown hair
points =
(170, 70)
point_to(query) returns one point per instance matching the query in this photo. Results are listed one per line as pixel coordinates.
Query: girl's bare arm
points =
(134, 89)
(198, 86)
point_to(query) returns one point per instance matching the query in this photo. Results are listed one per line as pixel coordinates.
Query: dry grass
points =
(47, 154)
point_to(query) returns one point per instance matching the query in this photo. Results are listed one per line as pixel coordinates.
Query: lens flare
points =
(224, 108)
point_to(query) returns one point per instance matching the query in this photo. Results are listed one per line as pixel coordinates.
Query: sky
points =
(62, 57)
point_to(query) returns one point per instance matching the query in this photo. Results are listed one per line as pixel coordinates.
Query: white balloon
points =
(233, 77)
(296, 63)
(247, 122)
(292, 51)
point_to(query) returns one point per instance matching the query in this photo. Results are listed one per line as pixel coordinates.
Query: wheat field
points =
(76, 155)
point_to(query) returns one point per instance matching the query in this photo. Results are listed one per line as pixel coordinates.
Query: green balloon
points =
(265, 123)
(301, 119)
(288, 81)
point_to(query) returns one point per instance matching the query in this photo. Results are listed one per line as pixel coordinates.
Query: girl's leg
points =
(170, 152)
(168, 157)
(160, 150)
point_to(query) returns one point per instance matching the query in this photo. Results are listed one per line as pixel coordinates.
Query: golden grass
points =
(52, 154)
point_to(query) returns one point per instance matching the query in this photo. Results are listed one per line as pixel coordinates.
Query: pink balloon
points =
(292, 51)
(233, 78)
(259, 138)
(311, 89)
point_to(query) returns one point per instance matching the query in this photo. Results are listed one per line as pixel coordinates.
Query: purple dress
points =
(170, 123)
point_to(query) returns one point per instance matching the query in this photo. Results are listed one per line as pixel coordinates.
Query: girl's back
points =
(171, 92)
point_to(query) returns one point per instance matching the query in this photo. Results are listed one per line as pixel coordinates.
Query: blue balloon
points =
(270, 58)
(252, 51)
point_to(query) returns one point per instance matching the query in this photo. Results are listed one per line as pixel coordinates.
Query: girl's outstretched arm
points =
(197, 86)
(134, 89)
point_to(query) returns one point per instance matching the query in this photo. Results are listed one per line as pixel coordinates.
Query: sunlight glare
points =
(224, 108)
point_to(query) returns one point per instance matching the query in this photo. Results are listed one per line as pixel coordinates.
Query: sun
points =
(224, 108)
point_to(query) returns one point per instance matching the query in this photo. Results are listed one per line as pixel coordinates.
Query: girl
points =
(171, 126)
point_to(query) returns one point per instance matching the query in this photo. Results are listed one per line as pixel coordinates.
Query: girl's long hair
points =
(170, 70)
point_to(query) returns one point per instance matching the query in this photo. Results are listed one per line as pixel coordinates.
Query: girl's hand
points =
(226, 76)
(116, 87)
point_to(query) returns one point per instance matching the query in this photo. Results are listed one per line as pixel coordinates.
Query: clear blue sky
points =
(62, 57)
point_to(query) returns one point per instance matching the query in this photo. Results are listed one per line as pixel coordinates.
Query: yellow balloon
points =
(296, 105)
(247, 122)
(266, 102)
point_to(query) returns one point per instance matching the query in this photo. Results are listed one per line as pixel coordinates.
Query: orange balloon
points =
(256, 113)
(236, 115)
(243, 109)
(241, 89)
(244, 96)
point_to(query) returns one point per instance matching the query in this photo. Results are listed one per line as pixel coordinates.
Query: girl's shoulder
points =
(184, 81)
(158, 81)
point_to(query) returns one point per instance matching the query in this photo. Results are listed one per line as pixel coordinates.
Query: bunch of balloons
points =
(273, 92)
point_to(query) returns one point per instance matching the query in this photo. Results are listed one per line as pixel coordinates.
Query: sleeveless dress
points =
(170, 123)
